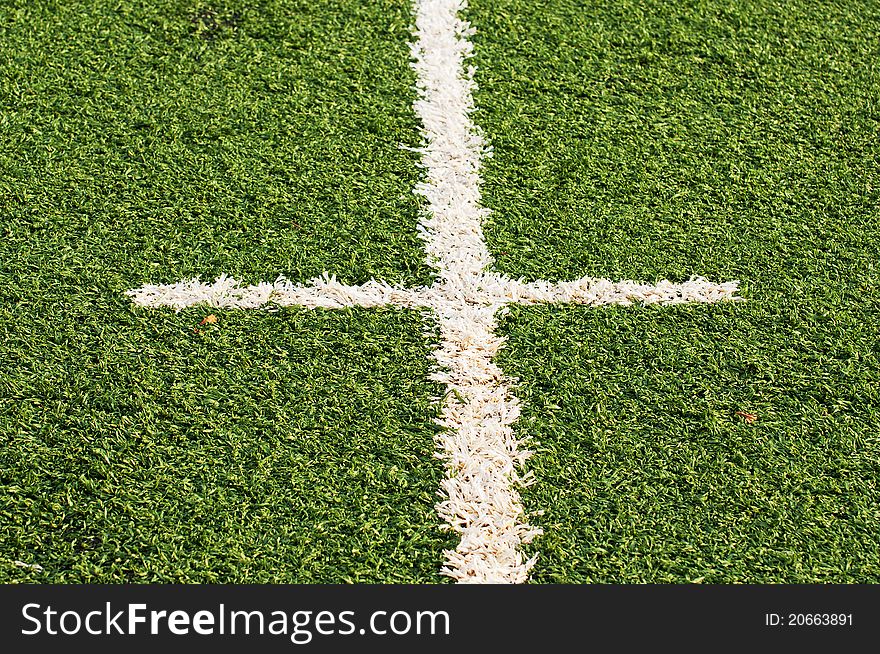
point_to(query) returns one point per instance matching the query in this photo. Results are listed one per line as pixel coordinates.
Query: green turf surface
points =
(253, 139)
(145, 142)
(660, 140)
(646, 473)
(663, 139)
(273, 447)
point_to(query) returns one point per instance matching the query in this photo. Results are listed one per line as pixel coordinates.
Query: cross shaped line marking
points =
(483, 456)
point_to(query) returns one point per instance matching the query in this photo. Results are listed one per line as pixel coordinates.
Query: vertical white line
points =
(454, 147)
(480, 451)
(483, 456)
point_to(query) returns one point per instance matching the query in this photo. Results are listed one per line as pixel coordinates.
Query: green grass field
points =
(150, 142)
(670, 139)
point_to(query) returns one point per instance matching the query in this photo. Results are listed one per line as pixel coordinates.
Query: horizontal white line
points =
(596, 292)
(489, 290)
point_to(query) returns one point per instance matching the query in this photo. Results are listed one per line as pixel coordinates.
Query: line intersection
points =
(484, 457)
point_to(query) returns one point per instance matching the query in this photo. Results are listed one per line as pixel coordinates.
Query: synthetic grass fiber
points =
(647, 140)
(153, 141)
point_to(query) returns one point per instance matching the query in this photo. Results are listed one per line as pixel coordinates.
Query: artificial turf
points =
(252, 139)
(148, 142)
(649, 140)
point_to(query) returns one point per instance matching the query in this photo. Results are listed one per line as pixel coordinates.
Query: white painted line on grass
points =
(28, 566)
(483, 457)
(226, 292)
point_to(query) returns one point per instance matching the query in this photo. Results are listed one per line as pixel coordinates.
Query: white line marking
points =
(327, 293)
(226, 292)
(483, 457)
(28, 566)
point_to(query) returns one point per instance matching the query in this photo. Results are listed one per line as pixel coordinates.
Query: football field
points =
(420, 292)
